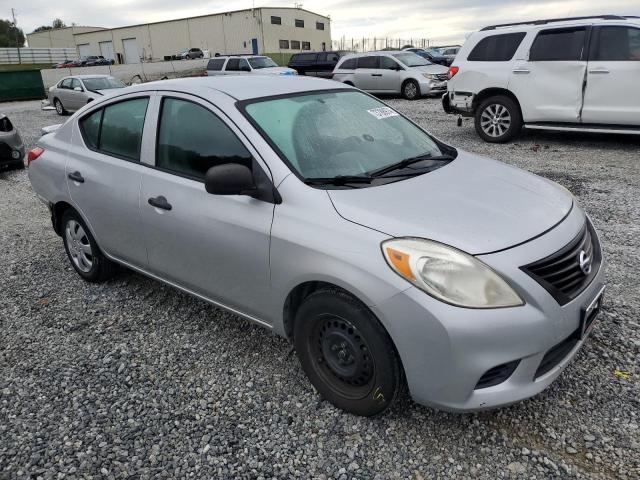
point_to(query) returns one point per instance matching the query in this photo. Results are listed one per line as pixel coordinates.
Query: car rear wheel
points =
(83, 251)
(59, 107)
(346, 353)
(410, 90)
(498, 119)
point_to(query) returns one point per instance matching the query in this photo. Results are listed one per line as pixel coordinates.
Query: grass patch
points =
(16, 67)
(280, 58)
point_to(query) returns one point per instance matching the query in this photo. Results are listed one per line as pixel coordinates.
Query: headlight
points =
(429, 76)
(448, 274)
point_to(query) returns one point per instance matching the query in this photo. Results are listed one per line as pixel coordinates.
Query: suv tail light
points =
(452, 72)
(33, 154)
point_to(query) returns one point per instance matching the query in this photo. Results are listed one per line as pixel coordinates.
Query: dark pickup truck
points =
(317, 64)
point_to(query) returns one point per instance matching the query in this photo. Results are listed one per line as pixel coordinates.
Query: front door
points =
(391, 71)
(549, 84)
(77, 98)
(104, 174)
(612, 94)
(216, 246)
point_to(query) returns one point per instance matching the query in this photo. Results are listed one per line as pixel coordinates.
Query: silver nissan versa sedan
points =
(315, 210)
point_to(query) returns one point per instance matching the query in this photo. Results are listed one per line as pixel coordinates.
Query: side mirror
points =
(229, 179)
(78, 89)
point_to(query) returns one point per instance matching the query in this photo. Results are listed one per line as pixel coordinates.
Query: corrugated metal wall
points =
(37, 55)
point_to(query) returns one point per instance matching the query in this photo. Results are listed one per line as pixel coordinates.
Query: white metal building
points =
(57, 37)
(261, 30)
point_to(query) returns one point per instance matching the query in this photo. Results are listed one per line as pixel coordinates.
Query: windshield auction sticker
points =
(383, 112)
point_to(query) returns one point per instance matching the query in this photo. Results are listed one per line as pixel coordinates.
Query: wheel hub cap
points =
(78, 246)
(495, 120)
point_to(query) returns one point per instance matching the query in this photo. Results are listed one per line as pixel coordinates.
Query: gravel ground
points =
(133, 379)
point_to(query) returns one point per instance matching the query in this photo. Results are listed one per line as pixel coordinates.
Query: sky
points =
(442, 22)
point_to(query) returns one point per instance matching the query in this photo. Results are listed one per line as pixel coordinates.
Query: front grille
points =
(557, 353)
(496, 375)
(560, 274)
(442, 76)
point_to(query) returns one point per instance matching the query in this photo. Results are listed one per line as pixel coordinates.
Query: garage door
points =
(106, 50)
(84, 50)
(130, 47)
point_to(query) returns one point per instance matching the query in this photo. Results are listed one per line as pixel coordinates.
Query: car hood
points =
(475, 204)
(275, 71)
(433, 68)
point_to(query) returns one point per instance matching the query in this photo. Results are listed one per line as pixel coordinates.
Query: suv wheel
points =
(59, 108)
(411, 90)
(346, 353)
(498, 119)
(82, 249)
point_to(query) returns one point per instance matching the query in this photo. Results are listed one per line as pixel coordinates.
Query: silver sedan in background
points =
(72, 93)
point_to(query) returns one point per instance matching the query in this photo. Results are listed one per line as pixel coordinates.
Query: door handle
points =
(599, 70)
(160, 202)
(376, 74)
(76, 177)
(521, 71)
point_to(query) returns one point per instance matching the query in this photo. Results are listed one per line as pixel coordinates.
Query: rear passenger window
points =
(564, 44)
(616, 44)
(368, 62)
(192, 139)
(348, 64)
(496, 48)
(233, 65)
(215, 64)
(116, 129)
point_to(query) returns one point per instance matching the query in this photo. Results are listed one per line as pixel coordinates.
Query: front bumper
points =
(432, 87)
(446, 350)
(11, 154)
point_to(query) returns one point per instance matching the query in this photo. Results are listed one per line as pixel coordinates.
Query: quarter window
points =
(192, 139)
(117, 128)
(276, 20)
(496, 48)
(616, 44)
(284, 44)
(295, 45)
(299, 23)
(563, 44)
(306, 46)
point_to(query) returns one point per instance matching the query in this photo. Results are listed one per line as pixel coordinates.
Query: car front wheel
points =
(83, 251)
(411, 90)
(498, 119)
(346, 353)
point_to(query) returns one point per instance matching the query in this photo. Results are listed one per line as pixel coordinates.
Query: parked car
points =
(11, 146)
(449, 53)
(72, 93)
(245, 64)
(190, 54)
(431, 54)
(392, 72)
(317, 64)
(574, 74)
(324, 215)
(94, 60)
(68, 64)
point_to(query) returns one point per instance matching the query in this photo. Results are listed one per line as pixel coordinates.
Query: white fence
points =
(37, 55)
(131, 73)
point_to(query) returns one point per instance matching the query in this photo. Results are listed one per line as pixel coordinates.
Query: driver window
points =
(192, 139)
(244, 65)
(387, 63)
(75, 83)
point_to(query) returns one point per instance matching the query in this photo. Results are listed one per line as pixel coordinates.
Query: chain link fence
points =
(375, 43)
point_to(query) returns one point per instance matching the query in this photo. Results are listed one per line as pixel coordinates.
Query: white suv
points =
(572, 74)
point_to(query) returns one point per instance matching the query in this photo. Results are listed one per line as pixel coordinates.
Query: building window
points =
(295, 45)
(306, 45)
(319, 26)
(276, 20)
(284, 44)
(299, 23)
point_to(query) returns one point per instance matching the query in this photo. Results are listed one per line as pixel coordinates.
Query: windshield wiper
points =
(338, 180)
(408, 161)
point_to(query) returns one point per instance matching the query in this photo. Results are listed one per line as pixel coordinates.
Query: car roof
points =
(379, 53)
(82, 77)
(240, 56)
(243, 87)
(544, 25)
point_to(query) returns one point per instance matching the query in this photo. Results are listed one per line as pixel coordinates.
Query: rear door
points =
(214, 245)
(612, 94)
(104, 174)
(549, 84)
(366, 75)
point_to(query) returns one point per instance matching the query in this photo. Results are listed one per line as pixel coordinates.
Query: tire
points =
(410, 90)
(83, 251)
(346, 353)
(59, 107)
(498, 119)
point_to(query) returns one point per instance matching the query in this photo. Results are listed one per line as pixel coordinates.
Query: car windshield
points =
(102, 83)
(411, 59)
(262, 62)
(339, 133)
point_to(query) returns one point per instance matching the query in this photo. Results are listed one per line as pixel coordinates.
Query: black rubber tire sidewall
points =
(405, 96)
(102, 267)
(516, 119)
(388, 378)
(62, 110)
